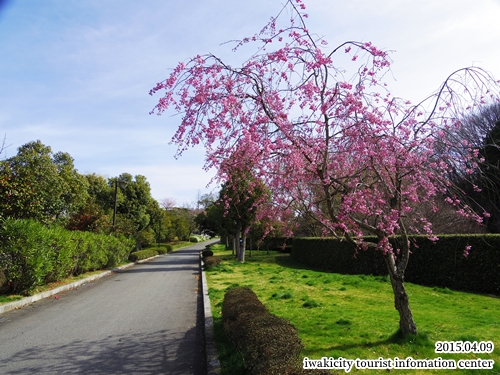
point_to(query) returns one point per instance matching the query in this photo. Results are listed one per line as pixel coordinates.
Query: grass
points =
(353, 316)
(10, 298)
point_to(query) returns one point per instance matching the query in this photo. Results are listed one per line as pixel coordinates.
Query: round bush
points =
(211, 262)
(142, 254)
(207, 253)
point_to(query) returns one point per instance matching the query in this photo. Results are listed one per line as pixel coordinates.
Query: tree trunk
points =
(243, 243)
(237, 235)
(401, 303)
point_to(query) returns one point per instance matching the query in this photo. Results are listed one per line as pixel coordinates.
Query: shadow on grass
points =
(413, 342)
(230, 359)
(286, 260)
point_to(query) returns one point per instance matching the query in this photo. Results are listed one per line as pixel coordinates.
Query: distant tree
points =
(96, 214)
(161, 222)
(214, 220)
(136, 203)
(101, 192)
(205, 200)
(168, 203)
(40, 185)
(481, 129)
(182, 223)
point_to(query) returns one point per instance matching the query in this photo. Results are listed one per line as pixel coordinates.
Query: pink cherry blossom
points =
(329, 141)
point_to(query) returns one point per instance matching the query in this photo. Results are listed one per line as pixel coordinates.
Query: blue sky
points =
(76, 74)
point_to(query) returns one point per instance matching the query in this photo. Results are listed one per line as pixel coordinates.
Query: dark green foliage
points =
(39, 184)
(3, 282)
(343, 322)
(275, 243)
(310, 303)
(142, 254)
(207, 253)
(211, 262)
(282, 295)
(440, 263)
(33, 254)
(268, 344)
(160, 249)
(169, 248)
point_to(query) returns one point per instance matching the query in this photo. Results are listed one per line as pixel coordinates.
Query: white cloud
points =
(76, 75)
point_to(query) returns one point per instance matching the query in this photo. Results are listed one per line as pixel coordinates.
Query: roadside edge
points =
(213, 364)
(37, 297)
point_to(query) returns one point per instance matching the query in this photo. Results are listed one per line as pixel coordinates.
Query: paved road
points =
(144, 320)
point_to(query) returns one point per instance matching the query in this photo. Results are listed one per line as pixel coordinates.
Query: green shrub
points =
(142, 254)
(63, 253)
(27, 253)
(211, 262)
(34, 254)
(146, 238)
(169, 248)
(268, 344)
(161, 249)
(194, 239)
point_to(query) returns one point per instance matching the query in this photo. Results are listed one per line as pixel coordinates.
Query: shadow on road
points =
(161, 352)
(186, 261)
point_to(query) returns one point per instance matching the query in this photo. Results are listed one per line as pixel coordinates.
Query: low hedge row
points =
(440, 263)
(33, 254)
(142, 254)
(269, 344)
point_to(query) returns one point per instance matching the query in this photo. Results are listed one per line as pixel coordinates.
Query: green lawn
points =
(353, 316)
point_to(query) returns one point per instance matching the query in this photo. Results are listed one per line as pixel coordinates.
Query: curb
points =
(213, 364)
(37, 297)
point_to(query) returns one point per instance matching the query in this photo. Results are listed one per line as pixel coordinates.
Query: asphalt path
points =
(147, 319)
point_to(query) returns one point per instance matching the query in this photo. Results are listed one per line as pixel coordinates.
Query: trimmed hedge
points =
(212, 261)
(33, 254)
(268, 243)
(440, 263)
(269, 344)
(142, 254)
(207, 253)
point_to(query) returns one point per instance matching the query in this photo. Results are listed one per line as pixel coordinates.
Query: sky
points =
(76, 74)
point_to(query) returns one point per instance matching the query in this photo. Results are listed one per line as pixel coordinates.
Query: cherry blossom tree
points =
(326, 136)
